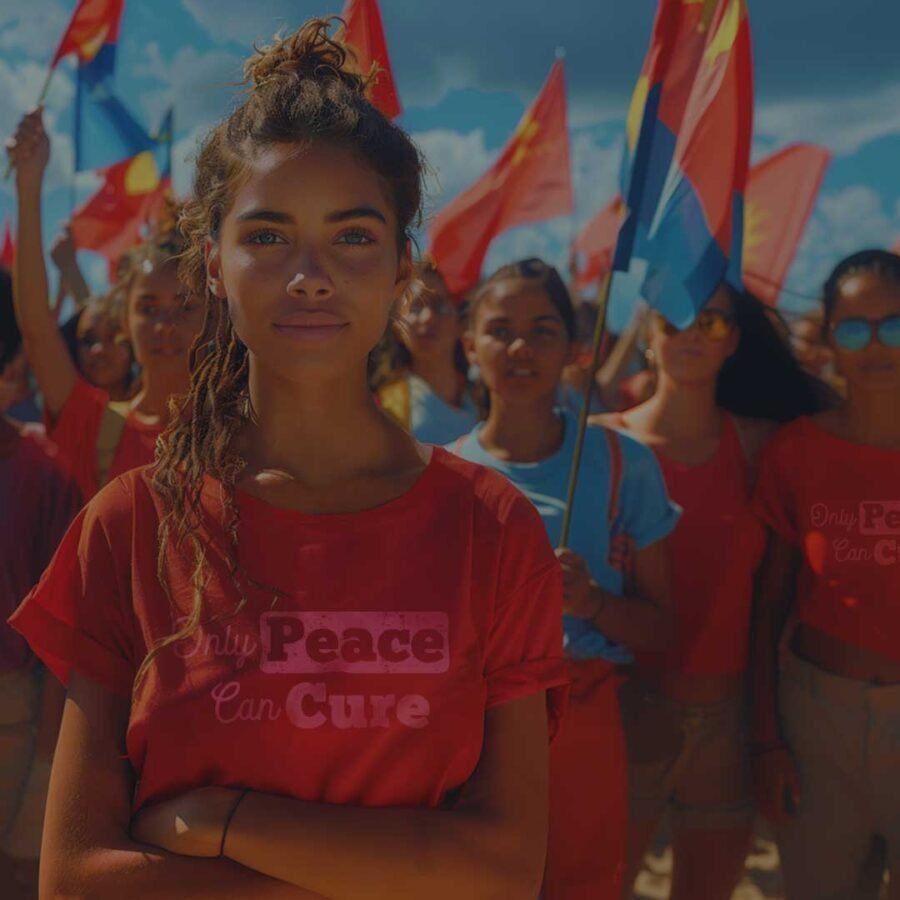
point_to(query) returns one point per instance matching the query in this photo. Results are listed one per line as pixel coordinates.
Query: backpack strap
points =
(616, 467)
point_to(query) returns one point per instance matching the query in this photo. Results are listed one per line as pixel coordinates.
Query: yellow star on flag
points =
(525, 135)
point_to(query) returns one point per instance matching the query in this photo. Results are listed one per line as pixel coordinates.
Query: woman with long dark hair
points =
(721, 385)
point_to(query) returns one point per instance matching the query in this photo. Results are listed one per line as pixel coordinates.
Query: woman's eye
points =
(265, 238)
(501, 333)
(357, 238)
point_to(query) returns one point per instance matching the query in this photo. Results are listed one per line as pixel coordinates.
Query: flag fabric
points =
(113, 219)
(529, 182)
(365, 33)
(105, 130)
(593, 248)
(781, 193)
(8, 251)
(94, 24)
(688, 171)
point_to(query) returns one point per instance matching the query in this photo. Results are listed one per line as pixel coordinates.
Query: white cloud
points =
(454, 159)
(595, 171)
(32, 32)
(843, 124)
(244, 23)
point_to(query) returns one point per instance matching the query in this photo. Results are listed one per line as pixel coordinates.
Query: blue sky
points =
(826, 71)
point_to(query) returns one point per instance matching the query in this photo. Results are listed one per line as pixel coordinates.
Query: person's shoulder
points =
(490, 490)
(125, 500)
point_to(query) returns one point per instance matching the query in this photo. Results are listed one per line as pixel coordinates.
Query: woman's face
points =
(519, 342)
(162, 319)
(697, 354)
(104, 356)
(866, 298)
(430, 325)
(307, 259)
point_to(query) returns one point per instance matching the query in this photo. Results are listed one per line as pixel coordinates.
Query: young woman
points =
(38, 501)
(94, 335)
(719, 386)
(331, 671)
(827, 719)
(423, 379)
(521, 335)
(97, 438)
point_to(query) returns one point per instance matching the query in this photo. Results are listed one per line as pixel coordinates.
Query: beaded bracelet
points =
(231, 813)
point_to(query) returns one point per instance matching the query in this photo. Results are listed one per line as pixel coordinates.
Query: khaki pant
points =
(693, 760)
(845, 739)
(19, 705)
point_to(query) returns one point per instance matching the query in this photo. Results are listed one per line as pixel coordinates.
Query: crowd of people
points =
(290, 609)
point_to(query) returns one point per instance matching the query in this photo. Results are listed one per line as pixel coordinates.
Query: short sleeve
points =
(524, 648)
(78, 616)
(648, 514)
(75, 431)
(774, 501)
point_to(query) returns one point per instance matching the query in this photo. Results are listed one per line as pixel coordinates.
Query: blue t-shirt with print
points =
(434, 421)
(646, 514)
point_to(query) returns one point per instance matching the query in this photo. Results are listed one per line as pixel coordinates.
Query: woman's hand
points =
(191, 824)
(29, 149)
(579, 592)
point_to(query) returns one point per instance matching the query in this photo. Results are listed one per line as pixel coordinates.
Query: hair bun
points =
(308, 53)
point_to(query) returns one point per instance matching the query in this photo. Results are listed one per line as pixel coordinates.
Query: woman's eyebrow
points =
(357, 212)
(265, 215)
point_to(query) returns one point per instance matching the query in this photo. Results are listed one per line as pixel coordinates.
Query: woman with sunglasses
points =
(521, 335)
(827, 710)
(717, 382)
(421, 369)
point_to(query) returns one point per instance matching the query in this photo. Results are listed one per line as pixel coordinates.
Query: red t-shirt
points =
(77, 428)
(839, 503)
(715, 548)
(37, 503)
(363, 680)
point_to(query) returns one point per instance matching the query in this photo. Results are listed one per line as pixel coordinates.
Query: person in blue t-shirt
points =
(521, 335)
(421, 377)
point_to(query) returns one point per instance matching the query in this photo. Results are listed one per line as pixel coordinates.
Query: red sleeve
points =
(79, 615)
(524, 649)
(774, 500)
(75, 431)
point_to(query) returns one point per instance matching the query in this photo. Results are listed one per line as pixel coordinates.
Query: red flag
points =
(594, 247)
(530, 182)
(93, 24)
(8, 253)
(781, 193)
(112, 221)
(365, 32)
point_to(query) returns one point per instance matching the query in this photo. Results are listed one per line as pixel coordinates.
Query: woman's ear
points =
(214, 281)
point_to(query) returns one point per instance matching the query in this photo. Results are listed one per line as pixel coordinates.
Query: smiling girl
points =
(333, 677)
(100, 439)
(521, 335)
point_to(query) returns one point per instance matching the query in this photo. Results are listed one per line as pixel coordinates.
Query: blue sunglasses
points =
(857, 334)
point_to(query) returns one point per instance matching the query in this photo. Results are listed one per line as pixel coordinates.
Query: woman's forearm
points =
(150, 873)
(31, 296)
(396, 853)
(635, 623)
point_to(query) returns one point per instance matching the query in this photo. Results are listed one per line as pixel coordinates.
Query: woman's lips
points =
(310, 326)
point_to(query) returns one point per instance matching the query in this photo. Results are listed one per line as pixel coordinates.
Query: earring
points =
(650, 358)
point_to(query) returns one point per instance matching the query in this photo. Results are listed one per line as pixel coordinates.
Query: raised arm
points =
(87, 851)
(490, 845)
(29, 151)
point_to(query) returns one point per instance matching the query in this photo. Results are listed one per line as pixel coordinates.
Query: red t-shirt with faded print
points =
(361, 665)
(839, 503)
(76, 432)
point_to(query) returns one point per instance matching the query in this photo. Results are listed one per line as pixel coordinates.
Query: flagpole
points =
(40, 102)
(603, 293)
